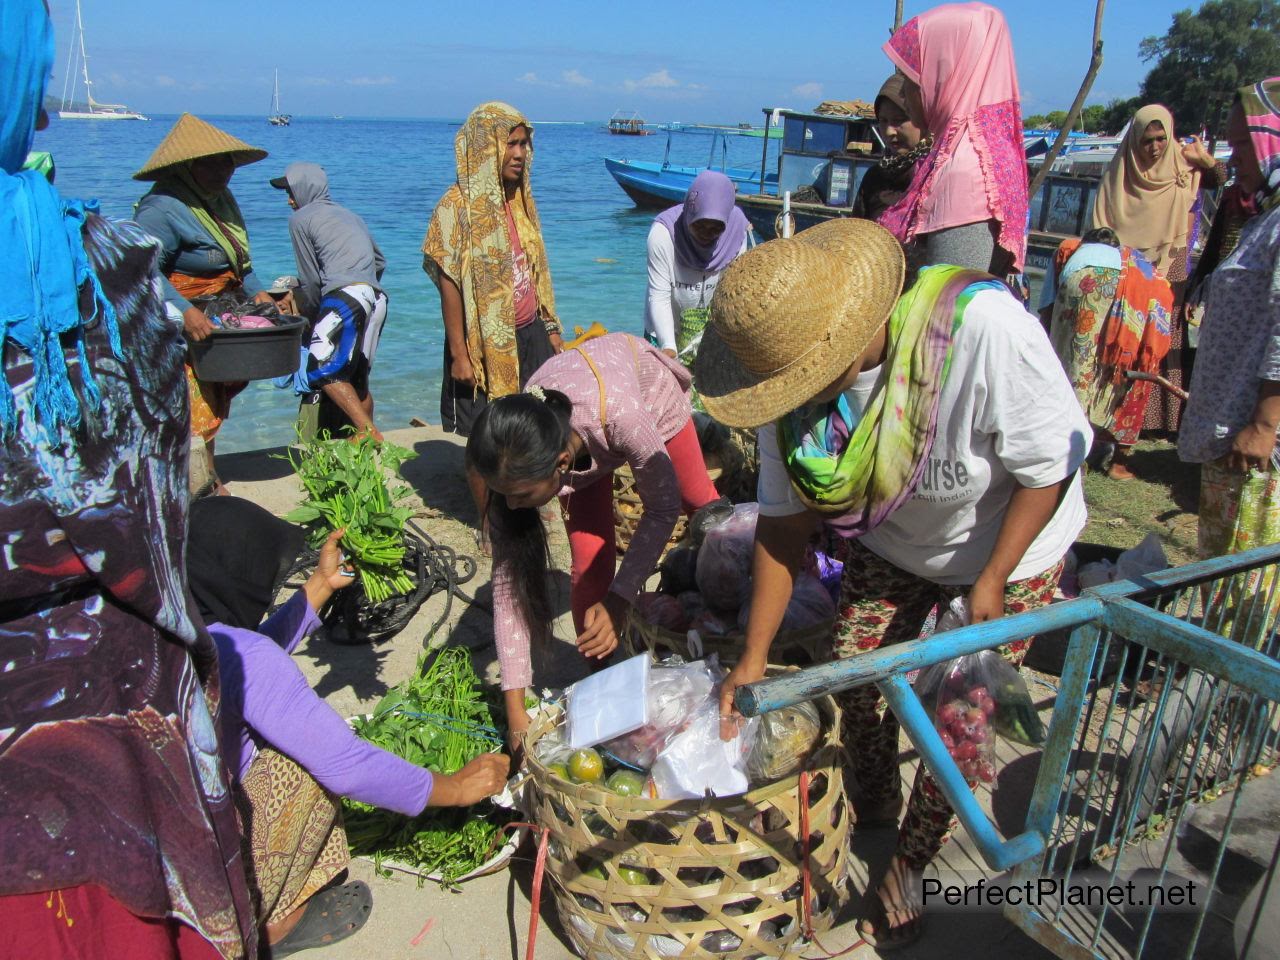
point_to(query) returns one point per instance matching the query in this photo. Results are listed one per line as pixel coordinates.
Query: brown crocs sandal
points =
(333, 914)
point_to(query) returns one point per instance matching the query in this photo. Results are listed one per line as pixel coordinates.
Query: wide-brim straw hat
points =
(192, 138)
(791, 316)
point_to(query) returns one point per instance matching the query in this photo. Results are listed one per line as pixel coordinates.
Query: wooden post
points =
(1094, 63)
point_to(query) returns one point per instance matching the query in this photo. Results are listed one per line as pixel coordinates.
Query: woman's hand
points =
(986, 599)
(557, 342)
(1251, 449)
(461, 370)
(330, 574)
(1197, 154)
(601, 625)
(482, 777)
(670, 353)
(748, 670)
(197, 325)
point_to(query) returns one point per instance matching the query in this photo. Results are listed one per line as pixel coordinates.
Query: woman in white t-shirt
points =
(928, 423)
(689, 246)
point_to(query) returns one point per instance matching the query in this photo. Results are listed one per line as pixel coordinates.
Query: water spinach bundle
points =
(438, 719)
(346, 486)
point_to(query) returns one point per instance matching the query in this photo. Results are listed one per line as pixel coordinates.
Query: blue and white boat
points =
(660, 185)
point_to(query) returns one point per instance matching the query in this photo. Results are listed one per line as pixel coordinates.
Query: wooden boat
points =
(822, 162)
(628, 126)
(657, 186)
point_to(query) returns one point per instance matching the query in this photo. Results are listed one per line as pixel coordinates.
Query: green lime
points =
(558, 770)
(585, 766)
(626, 783)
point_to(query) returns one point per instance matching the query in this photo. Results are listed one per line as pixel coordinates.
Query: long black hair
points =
(516, 438)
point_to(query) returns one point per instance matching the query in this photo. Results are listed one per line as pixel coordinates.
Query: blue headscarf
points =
(43, 264)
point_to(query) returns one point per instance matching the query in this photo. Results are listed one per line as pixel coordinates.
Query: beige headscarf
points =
(1148, 209)
(467, 241)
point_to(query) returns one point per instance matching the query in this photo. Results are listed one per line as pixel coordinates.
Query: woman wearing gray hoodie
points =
(339, 273)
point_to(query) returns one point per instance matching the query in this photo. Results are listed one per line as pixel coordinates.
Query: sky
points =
(705, 61)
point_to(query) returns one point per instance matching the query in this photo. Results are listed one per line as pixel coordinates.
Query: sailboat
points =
(276, 118)
(91, 109)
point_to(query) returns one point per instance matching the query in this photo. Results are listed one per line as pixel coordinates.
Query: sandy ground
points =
(488, 919)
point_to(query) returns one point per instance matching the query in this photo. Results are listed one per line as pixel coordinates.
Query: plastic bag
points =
(609, 703)
(707, 517)
(674, 693)
(696, 760)
(724, 560)
(711, 624)
(1135, 563)
(662, 610)
(784, 741)
(810, 604)
(678, 570)
(830, 571)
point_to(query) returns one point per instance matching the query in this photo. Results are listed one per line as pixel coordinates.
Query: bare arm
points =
(455, 331)
(1030, 508)
(779, 549)
(1252, 446)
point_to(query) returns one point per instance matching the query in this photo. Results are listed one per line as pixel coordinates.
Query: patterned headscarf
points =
(43, 264)
(961, 57)
(1261, 102)
(1148, 209)
(467, 242)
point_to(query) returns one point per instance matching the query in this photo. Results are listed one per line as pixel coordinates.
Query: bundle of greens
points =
(346, 486)
(438, 718)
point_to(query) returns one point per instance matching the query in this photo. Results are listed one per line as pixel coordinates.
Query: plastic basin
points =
(235, 355)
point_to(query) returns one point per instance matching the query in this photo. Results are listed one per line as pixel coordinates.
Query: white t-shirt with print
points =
(673, 287)
(1007, 416)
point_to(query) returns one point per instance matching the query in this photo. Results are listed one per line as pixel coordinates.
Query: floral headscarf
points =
(467, 242)
(1261, 102)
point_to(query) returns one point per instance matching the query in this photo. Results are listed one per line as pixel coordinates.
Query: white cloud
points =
(811, 90)
(659, 79)
(164, 81)
(533, 80)
(312, 81)
(575, 79)
(382, 81)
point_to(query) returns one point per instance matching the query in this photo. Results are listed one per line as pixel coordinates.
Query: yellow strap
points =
(599, 382)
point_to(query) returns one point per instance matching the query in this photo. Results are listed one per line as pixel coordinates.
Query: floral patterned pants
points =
(880, 605)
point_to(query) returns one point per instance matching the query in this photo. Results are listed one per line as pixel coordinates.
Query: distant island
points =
(53, 104)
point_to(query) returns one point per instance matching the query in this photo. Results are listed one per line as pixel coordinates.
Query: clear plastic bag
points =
(810, 604)
(675, 692)
(724, 560)
(696, 761)
(784, 741)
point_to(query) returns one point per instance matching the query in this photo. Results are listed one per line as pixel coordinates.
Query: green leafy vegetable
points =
(346, 486)
(438, 718)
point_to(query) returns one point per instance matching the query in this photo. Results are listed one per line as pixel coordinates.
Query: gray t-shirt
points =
(1239, 343)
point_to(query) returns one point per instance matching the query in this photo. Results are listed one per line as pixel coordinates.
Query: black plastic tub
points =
(231, 355)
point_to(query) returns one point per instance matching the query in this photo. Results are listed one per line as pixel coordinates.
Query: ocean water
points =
(392, 172)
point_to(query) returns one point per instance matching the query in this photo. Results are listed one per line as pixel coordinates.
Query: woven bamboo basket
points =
(723, 877)
(792, 648)
(627, 507)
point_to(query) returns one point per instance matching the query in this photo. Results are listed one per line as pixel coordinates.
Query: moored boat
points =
(277, 118)
(628, 126)
(90, 109)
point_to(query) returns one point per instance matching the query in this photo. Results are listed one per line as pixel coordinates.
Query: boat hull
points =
(84, 115)
(656, 186)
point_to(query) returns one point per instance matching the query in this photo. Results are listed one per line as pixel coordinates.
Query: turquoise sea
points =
(392, 172)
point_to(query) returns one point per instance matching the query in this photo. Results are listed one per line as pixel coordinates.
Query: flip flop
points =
(333, 914)
(880, 920)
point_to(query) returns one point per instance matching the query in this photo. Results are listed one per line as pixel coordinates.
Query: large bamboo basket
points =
(723, 467)
(712, 865)
(792, 648)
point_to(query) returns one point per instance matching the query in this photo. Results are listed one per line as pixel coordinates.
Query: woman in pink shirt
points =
(586, 412)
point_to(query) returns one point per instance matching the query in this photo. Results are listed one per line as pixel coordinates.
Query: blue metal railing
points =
(1111, 762)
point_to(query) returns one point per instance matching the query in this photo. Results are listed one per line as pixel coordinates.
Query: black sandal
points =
(333, 914)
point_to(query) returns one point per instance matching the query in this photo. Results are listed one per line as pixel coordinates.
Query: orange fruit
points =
(585, 766)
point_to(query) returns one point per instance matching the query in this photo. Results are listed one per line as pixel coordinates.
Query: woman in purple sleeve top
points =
(291, 755)
(611, 401)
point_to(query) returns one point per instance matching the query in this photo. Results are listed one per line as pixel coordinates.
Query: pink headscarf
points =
(961, 56)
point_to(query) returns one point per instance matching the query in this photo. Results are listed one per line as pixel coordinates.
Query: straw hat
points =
(192, 138)
(790, 316)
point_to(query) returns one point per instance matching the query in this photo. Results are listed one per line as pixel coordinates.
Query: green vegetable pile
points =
(346, 486)
(437, 719)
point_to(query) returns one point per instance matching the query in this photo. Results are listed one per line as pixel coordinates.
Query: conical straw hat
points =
(791, 316)
(192, 138)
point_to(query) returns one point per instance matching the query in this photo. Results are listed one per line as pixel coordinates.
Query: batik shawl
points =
(1261, 103)
(467, 241)
(857, 471)
(1136, 333)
